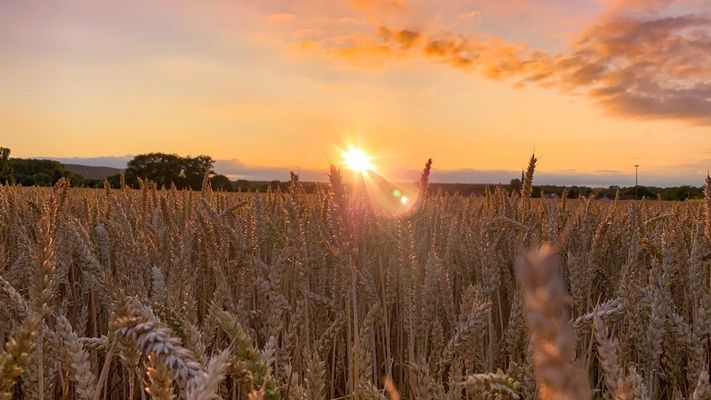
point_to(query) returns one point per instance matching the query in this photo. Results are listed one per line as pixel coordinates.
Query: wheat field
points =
(167, 294)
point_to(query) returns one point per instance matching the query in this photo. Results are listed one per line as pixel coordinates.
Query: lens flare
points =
(389, 196)
(357, 160)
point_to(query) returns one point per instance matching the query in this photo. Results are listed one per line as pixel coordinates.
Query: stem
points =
(356, 336)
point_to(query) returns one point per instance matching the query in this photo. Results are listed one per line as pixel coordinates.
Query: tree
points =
(221, 183)
(682, 193)
(30, 172)
(195, 169)
(5, 166)
(166, 169)
(161, 168)
(641, 192)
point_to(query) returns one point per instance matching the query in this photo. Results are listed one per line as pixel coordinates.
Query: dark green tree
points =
(195, 169)
(161, 168)
(221, 183)
(682, 193)
(5, 166)
(166, 169)
(30, 172)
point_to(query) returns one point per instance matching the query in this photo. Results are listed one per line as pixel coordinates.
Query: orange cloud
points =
(405, 38)
(494, 58)
(645, 65)
(359, 51)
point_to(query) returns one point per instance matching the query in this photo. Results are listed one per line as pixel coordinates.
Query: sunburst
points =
(358, 160)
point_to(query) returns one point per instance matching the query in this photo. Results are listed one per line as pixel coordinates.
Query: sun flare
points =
(357, 160)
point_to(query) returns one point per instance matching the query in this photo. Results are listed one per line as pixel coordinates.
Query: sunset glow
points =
(595, 86)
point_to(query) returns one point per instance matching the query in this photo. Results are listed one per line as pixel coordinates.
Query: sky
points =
(264, 87)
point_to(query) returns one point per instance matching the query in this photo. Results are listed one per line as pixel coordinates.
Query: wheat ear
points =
(551, 335)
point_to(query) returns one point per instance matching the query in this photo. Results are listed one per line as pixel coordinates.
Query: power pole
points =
(636, 175)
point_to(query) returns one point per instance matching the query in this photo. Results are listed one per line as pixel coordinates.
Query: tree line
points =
(165, 170)
(685, 192)
(31, 172)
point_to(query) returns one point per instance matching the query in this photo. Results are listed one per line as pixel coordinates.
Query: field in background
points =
(177, 294)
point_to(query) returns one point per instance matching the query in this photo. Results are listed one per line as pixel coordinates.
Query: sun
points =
(357, 160)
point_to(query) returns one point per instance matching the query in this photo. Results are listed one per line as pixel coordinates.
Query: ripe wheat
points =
(167, 294)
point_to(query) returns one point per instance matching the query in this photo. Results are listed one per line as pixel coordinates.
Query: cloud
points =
(636, 61)
(595, 179)
(404, 38)
(645, 67)
(687, 175)
(235, 169)
(492, 57)
(353, 50)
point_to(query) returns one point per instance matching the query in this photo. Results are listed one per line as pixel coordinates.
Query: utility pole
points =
(636, 175)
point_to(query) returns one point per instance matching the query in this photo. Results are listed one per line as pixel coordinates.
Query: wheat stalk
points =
(545, 297)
